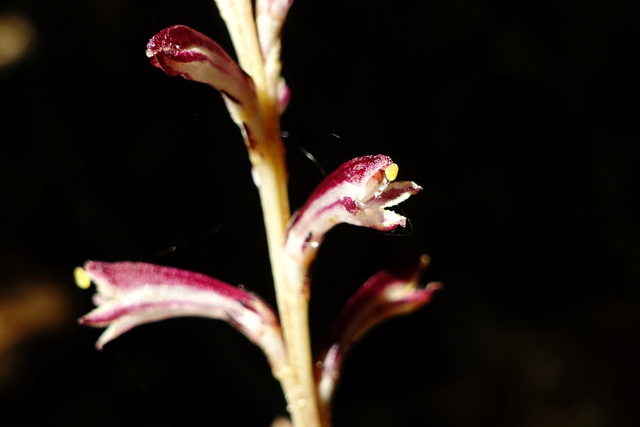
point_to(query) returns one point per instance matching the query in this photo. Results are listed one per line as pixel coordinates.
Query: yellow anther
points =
(425, 260)
(391, 172)
(82, 278)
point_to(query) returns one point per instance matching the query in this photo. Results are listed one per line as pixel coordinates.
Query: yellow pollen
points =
(391, 172)
(425, 260)
(82, 278)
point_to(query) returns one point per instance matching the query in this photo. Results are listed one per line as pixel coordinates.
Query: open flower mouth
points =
(359, 193)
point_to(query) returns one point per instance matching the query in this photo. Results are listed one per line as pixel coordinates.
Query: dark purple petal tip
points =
(177, 42)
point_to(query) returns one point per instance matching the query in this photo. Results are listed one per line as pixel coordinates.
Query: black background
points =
(519, 120)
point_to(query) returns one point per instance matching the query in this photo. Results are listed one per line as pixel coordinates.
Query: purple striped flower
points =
(182, 51)
(386, 294)
(359, 193)
(130, 294)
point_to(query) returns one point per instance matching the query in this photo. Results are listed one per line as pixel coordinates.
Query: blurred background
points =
(519, 120)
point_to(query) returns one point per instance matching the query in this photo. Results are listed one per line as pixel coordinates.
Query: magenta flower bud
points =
(182, 51)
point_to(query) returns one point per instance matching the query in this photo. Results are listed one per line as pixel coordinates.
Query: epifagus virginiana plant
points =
(358, 192)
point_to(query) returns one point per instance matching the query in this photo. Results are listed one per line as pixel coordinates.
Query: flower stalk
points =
(270, 176)
(358, 193)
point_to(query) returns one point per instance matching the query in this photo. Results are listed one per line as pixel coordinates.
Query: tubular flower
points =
(182, 51)
(359, 193)
(386, 294)
(134, 293)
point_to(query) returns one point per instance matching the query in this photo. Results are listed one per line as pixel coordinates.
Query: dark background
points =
(520, 121)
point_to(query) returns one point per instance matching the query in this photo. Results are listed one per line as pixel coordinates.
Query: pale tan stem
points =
(238, 16)
(270, 173)
(266, 152)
